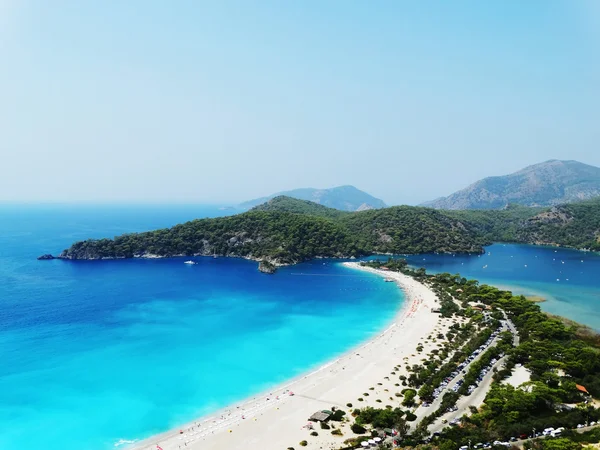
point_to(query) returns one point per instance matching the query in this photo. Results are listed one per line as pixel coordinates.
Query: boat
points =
(389, 280)
(190, 262)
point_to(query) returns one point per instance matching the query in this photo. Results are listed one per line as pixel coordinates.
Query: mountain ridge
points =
(343, 198)
(545, 184)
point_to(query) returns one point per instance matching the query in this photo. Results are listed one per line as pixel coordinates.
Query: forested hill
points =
(287, 231)
(281, 237)
(343, 198)
(574, 225)
(293, 205)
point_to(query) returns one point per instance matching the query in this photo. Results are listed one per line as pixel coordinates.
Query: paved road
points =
(478, 395)
(475, 399)
(422, 411)
(520, 442)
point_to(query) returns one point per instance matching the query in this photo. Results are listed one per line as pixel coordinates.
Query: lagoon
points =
(568, 279)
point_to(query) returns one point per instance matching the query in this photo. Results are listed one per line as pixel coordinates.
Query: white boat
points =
(190, 262)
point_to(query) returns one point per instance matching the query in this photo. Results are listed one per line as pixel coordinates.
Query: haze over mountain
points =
(344, 198)
(545, 184)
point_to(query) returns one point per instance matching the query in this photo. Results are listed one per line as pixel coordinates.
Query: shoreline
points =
(277, 412)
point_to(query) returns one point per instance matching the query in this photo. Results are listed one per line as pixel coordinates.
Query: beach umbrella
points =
(377, 439)
(364, 443)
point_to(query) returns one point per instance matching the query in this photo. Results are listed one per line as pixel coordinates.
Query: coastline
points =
(275, 418)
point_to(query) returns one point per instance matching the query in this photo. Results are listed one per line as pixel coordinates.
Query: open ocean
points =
(95, 353)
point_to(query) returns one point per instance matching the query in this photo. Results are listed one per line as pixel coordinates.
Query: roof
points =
(320, 416)
(582, 388)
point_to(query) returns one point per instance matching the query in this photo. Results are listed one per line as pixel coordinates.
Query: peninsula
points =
(288, 231)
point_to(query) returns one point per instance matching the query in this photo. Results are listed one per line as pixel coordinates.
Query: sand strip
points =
(278, 420)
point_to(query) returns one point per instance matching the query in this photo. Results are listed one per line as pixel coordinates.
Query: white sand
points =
(520, 375)
(277, 420)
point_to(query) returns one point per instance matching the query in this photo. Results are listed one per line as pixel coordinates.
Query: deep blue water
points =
(93, 352)
(568, 279)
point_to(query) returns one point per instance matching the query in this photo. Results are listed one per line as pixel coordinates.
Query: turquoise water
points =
(99, 351)
(568, 279)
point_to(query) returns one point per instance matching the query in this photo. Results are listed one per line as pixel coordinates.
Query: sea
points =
(568, 280)
(98, 354)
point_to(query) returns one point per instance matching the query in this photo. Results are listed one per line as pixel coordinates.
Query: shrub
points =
(360, 399)
(349, 405)
(303, 443)
(358, 429)
(314, 433)
(338, 415)
(410, 417)
(378, 401)
(337, 432)
(324, 426)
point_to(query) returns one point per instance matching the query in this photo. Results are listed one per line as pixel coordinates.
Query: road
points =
(422, 411)
(521, 442)
(475, 399)
(478, 395)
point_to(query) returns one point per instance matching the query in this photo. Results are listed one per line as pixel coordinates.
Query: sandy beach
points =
(278, 419)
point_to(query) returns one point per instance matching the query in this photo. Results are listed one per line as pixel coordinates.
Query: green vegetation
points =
(497, 225)
(573, 225)
(380, 418)
(280, 236)
(558, 355)
(287, 231)
(292, 205)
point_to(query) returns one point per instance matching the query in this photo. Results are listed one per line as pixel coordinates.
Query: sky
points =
(220, 102)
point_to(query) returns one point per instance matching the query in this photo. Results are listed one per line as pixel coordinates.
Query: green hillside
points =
(292, 205)
(574, 225)
(286, 231)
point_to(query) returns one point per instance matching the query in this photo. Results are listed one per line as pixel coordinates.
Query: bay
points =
(96, 353)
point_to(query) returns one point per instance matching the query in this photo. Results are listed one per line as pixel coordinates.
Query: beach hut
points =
(321, 416)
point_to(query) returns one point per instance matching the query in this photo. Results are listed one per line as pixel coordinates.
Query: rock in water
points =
(46, 256)
(267, 267)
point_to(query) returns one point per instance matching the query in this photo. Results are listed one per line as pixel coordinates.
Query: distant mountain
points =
(546, 184)
(344, 198)
(293, 205)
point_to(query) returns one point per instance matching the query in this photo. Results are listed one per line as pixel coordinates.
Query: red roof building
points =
(582, 389)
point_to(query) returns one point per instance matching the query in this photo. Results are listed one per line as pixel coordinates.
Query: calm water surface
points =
(568, 279)
(94, 352)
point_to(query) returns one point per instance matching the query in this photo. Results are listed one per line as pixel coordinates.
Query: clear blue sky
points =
(221, 101)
